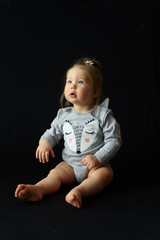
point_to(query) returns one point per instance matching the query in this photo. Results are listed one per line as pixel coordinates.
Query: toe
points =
(74, 200)
(18, 189)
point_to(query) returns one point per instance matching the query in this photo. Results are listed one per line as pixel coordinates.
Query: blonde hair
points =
(94, 70)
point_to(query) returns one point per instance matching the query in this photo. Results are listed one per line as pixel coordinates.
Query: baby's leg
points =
(96, 181)
(61, 174)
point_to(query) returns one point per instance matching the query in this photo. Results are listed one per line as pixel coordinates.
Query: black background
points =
(39, 40)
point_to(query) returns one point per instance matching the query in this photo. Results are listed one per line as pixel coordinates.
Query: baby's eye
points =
(80, 82)
(69, 81)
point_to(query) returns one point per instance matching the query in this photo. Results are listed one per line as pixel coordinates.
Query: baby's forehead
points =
(77, 71)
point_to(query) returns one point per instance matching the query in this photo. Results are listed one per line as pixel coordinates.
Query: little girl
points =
(91, 138)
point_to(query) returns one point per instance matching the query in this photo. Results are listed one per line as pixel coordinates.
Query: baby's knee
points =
(54, 172)
(106, 174)
(110, 173)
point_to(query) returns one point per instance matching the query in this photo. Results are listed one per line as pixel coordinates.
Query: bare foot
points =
(28, 192)
(74, 198)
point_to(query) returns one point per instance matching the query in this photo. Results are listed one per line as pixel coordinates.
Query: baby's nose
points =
(73, 86)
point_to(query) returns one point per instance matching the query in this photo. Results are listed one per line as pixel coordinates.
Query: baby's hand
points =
(43, 151)
(90, 161)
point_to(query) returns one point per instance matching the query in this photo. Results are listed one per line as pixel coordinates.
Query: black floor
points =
(128, 209)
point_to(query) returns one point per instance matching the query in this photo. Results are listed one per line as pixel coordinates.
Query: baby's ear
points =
(96, 92)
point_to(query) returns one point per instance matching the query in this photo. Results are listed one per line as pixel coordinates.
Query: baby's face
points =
(78, 89)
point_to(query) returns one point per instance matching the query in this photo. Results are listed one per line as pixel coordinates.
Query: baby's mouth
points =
(73, 95)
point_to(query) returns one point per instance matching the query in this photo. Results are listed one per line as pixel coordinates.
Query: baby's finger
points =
(43, 157)
(40, 156)
(52, 153)
(37, 153)
(89, 166)
(47, 156)
(83, 160)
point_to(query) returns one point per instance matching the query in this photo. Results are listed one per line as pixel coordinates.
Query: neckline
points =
(78, 113)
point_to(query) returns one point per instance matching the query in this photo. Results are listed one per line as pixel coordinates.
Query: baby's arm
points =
(90, 162)
(43, 151)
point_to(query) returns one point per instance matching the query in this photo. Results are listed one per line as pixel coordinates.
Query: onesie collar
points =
(105, 104)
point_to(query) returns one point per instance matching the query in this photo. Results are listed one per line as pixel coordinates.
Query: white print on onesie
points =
(79, 138)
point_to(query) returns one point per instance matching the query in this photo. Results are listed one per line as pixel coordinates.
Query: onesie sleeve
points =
(54, 134)
(112, 138)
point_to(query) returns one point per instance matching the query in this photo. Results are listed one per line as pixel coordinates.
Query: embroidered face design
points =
(79, 138)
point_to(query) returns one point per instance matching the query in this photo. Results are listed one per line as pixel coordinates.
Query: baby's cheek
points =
(70, 140)
(66, 92)
(87, 140)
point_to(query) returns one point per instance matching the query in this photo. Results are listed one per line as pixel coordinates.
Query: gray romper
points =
(95, 132)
